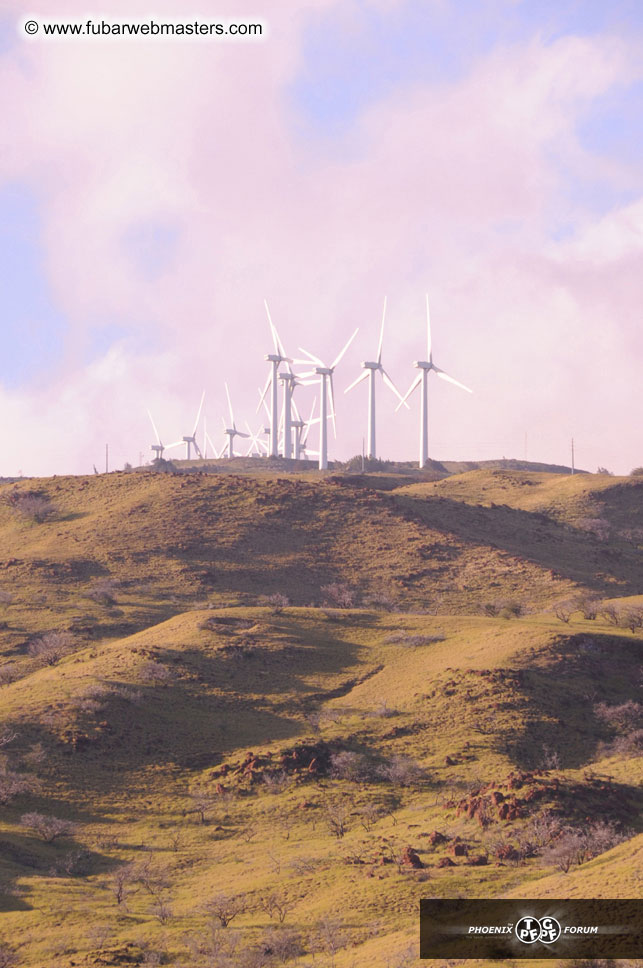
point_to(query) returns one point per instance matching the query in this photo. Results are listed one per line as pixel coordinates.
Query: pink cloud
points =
(453, 187)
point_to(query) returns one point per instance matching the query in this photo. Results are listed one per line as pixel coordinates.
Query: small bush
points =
(52, 647)
(226, 907)
(337, 595)
(564, 611)
(103, 592)
(32, 505)
(13, 785)
(9, 672)
(155, 673)
(351, 766)
(278, 602)
(636, 472)
(48, 828)
(402, 771)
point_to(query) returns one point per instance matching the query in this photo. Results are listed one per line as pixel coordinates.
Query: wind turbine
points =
(325, 374)
(190, 439)
(370, 369)
(257, 448)
(231, 431)
(425, 367)
(275, 359)
(159, 447)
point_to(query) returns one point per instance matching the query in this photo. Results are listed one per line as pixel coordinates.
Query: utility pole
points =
(572, 455)
(362, 455)
(107, 458)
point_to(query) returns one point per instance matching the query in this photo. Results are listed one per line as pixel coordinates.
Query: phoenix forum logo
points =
(529, 930)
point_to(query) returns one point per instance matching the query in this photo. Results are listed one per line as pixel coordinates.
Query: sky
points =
(153, 192)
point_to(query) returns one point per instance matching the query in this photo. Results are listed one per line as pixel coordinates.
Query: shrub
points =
(13, 785)
(278, 602)
(9, 672)
(588, 606)
(351, 766)
(103, 592)
(402, 771)
(636, 472)
(626, 716)
(277, 905)
(631, 618)
(49, 828)
(336, 816)
(340, 596)
(52, 646)
(32, 505)
(226, 907)
(155, 672)
(564, 611)
(283, 944)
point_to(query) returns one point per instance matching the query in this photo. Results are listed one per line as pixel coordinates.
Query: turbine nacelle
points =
(423, 365)
(324, 370)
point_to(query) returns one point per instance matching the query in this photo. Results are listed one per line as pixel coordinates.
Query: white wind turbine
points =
(370, 369)
(159, 447)
(325, 374)
(190, 439)
(425, 367)
(231, 431)
(258, 447)
(275, 359)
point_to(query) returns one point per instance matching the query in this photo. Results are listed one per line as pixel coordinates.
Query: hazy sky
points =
(152, 193)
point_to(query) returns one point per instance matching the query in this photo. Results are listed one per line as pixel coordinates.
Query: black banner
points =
(531, 929)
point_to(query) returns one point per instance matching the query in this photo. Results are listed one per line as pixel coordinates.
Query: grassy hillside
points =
(323, 768)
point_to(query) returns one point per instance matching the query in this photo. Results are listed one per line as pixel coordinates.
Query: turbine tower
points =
(190, 439)
(325, 374)
(370, 369)
(159, 447)
(231, 431)
(275, 359)
(425, 367)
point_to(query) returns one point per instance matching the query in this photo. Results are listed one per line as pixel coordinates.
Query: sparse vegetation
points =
(48, 828)
(205, 738)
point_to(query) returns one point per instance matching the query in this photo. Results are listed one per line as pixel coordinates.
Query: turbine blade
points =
(338, 358)
(262, 395)
(272, 329)
(428, 331)
(445, 376)
(158, 439)
(214, 450)
(175, 444)
(197, 449)
(391, 386)
(379, 348)
(410, 390)
(331, 395)
(363, 375)
(229, 406)
(310, 356)
(198, 415)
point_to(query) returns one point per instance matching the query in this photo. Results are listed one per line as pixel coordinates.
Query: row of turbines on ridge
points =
(287, 434)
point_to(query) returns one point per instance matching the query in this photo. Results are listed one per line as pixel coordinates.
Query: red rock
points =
(446, 862)
(410, 858)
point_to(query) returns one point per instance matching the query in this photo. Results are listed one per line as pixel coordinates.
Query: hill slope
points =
(322, 765)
